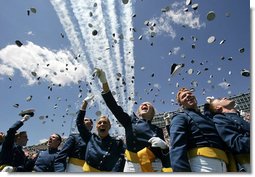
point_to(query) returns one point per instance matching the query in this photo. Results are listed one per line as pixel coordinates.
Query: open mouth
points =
(102, 130)
(144, 108)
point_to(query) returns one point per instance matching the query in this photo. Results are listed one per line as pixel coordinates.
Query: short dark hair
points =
(59, 137)
(89, 119)
(18, 134)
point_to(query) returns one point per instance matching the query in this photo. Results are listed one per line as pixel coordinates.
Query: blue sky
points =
(58, 45)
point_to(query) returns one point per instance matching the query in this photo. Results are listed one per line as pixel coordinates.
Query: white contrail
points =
(95, 46)
(73, 36)
(128, 50)
(112, 26)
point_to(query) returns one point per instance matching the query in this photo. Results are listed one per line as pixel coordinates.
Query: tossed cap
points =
(245, 72)
(124, 1)
(222, 41)
(210, 15)
(188, 2)
(194, 6)
(32, 9)
(27, 112)
(98, 113)
(241, 50)
(211, 39)
(18, 43)
(175, 68)
(94, 32)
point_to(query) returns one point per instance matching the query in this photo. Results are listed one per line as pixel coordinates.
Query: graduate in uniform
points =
(12, 155)
(103, 152)
(195, 143)
(45, 159)
(233, 129)
(146, 149)
(74, 149)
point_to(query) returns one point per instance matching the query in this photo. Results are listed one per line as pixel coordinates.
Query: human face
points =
(88, 123)
(22, 139)
(53, 141)
(223, 103)
(146, 111)
(103, 126)
(188, 100)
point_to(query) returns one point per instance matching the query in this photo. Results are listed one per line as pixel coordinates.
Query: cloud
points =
(176, 50)
(58, 67)
(6, 70)
(43, 141)
(178, 16)
(175, 15)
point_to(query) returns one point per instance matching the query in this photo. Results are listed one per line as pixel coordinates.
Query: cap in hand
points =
(29, 112)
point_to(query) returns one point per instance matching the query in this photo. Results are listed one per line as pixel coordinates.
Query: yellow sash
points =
(144, 157)
(167, 169)
(209, 152)
(2, 167)
(76, 161)
(87, 168)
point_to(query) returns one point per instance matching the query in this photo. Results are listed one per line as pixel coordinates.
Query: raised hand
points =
(100, 74)
(88, 98)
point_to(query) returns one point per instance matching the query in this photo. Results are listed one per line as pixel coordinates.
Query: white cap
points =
(190, 71)
(29, 98)
(188, 2)
(211, 39)
(175, 68)
(222, 41)
(194, 6)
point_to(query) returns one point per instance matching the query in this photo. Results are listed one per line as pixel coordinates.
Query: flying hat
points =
(29, 112)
